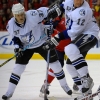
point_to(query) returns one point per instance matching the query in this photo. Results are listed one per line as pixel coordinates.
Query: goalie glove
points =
(54, 12)
(51, 43)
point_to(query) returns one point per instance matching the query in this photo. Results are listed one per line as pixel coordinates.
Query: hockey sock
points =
(78, 82)
(14, 79)
(58, 71)
(77, 59)
(81, 66)
(51, 76)
(61, 77)
(74, 74)
(71, 70)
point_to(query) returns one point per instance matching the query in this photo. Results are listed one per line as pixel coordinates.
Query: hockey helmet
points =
(17, 8)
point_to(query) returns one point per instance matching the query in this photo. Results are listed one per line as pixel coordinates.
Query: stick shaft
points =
(47, 69)
(90, 96)
(7, 61)
(26, 47)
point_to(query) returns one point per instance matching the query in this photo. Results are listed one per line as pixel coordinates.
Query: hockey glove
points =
(18, 52)
(51, 43)
(54, 12)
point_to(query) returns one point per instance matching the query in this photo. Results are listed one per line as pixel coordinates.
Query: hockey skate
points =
(67, 89)
(76, 89)
(43, 89)
(7, 96)
(87, 84)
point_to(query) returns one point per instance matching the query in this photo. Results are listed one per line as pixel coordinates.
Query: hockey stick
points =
(46, 82)
(89, 96)
(26, 47)
(47, 68)
(48, 55)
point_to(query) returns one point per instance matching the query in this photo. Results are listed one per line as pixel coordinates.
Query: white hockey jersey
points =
(80, 20)
(33, 30)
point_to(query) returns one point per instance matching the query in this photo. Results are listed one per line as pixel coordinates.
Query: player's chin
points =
(22, 20)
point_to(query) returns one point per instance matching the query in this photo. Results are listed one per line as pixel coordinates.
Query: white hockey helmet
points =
(17, 8)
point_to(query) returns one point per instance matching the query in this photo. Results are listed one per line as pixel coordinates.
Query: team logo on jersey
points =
(82, 12)
(40, 13)
(16, 32)
(33, 13)
(68, 8)
(27, 38)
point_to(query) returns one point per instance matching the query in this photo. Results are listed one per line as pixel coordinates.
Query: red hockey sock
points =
(50, 77)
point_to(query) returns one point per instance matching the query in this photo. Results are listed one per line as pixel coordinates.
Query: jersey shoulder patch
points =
(82, 12)
(33, 12)
(40, 13)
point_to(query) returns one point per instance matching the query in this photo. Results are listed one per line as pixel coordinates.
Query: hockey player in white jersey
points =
(83, 31)
(26, 28)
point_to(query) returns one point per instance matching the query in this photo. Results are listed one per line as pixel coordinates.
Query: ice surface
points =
(33, 77)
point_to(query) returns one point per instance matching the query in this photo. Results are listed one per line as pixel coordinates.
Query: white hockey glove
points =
(54, 12)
